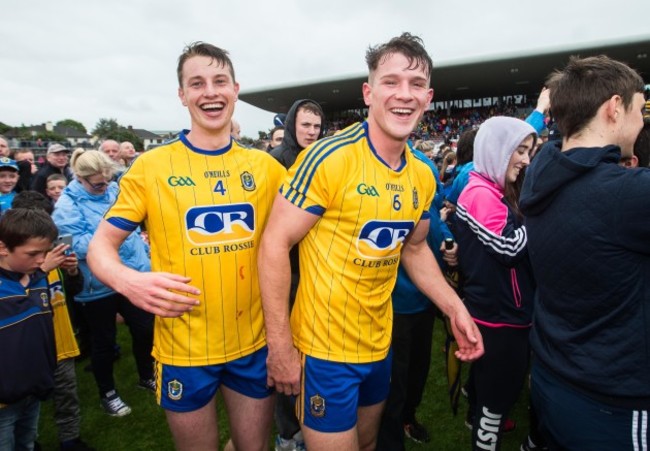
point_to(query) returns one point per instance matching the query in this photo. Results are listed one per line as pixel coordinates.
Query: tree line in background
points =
(104, 129)
(110, 129)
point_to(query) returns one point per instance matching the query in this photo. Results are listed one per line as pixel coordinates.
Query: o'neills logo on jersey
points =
(216, 224)
(416, 201)
(380, 239)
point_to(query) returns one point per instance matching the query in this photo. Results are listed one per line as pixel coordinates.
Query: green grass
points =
(146, 428)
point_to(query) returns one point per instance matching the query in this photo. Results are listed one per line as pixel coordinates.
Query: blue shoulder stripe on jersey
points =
(316, 210)
(182, 136)
(124, 224)
(320, 146)
(324, 156)
(291, 191)
(305, 173)
(32, 311)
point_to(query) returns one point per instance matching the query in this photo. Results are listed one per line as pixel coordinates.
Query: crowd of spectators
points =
(436, 135)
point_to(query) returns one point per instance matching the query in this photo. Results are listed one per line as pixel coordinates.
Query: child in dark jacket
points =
(28, 357)
(64, 281)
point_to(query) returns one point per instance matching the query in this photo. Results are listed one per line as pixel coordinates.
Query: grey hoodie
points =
(496, 141)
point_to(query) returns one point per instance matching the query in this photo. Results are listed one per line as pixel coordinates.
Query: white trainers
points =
(114, 406)
(296, 443)
(299, 441)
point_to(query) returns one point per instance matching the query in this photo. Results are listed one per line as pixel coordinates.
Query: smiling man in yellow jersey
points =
(205, 200)
(358, 201)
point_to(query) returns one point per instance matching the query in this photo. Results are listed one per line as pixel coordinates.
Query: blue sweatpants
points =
(570, 420)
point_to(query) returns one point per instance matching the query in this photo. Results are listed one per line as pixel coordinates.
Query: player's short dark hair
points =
(579, 90)
(204, 49)
(412, 47)
(18, 225)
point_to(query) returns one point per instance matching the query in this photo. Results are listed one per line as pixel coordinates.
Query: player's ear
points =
(430, 95)
(181, 95)
(367, 92)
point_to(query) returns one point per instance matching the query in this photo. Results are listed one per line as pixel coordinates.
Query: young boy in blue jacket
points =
(28, 356)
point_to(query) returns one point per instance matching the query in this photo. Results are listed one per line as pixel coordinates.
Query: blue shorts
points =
(188, 388)
(333, 391)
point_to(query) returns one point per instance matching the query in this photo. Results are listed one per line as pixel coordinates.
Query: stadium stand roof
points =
(474, 78)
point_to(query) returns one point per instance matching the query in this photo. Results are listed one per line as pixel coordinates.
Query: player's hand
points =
(54, 258)
(160, 293)
(283, 370)
(468, 337)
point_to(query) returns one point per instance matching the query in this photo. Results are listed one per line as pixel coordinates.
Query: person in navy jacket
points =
(588, 220)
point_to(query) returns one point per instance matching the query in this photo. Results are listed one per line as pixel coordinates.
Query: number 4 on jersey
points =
(219, 188)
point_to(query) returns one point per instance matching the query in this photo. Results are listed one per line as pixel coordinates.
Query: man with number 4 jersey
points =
(205, 200)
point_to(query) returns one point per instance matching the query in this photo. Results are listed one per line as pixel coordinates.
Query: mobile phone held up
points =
(64, 239)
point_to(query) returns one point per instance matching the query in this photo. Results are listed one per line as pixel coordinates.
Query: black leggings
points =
(411, 347)
(495, 381)
(100, 315)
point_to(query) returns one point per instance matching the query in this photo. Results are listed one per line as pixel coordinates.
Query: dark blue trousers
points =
(571, 420)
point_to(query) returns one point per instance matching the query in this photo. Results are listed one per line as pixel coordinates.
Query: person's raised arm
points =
(537, 116)
(422, 268)
(286, 226)
(156, 292)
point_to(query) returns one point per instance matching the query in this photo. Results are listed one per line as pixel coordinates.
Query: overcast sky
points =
(117, 59)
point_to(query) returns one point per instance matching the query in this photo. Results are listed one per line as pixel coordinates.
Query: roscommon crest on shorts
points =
(317, 406)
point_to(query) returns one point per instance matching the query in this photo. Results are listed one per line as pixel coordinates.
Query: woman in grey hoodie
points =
(498, 285)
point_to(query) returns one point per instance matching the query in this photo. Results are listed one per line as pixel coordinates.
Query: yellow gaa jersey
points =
(204, 212)
(66, 343)
(349, 259)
